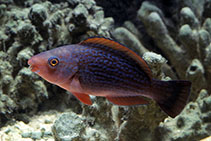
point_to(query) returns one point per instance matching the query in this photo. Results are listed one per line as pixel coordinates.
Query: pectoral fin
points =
(127, 101)
(84, 98)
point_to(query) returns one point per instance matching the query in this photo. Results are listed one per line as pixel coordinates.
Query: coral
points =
(193, 123)
(196, 74)
(129, 39)
(27, 34)
(149, 14)
(179, 32)
(2, 8)
(39, 127)
(114, 123)
(188, 50)
(155, 62)
(34, 28)
(38, 14)
(68, 127)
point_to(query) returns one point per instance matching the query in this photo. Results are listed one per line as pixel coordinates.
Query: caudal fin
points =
(171, 96)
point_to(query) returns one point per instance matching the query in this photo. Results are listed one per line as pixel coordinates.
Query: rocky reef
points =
(184, 39)
(194, 123)
(35, 28)
(174, 38)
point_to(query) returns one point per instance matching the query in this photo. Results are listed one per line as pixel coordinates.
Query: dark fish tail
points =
(171, 96)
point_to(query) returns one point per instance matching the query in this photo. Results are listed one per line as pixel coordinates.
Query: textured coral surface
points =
(173, 37)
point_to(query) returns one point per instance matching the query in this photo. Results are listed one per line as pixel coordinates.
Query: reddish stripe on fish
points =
(117, 46)
(127, 101)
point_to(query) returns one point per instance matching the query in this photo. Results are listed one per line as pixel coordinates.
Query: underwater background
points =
(173, 37)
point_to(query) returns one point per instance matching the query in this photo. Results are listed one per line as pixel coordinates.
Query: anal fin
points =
(127, 101)
(84, 98)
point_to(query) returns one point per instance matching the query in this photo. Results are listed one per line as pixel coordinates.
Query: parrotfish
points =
(100, 66)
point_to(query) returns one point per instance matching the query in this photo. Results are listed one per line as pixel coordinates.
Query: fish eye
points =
(53, 61)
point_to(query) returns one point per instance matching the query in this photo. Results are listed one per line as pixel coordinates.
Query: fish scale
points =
(103, 67)
(120, 78)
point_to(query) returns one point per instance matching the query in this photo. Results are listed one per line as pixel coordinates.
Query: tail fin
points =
(171, 96)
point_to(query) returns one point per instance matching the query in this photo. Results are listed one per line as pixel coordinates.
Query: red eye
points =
(53, 62)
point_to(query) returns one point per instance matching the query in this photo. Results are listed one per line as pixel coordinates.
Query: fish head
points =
(54, 65)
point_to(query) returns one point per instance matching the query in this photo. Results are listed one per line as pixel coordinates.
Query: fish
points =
(103, 67)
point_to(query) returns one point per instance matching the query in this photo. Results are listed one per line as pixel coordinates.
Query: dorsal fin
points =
(117, 46)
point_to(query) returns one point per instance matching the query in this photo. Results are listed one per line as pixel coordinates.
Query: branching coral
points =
(188, 52)
(36, 28)
(183, 40)
(192, 124)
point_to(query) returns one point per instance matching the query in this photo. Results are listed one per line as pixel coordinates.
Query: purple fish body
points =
(105, 70)
(103, 67)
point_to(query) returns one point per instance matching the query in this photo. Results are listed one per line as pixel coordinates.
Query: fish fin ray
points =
(118, 46)
(76, 86)
(171, 96)
(127, 101)
(84, 98)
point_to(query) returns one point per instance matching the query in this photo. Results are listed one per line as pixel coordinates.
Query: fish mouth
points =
(32, 67)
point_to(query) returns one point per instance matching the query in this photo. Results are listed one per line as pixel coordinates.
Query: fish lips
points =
(32, 66)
